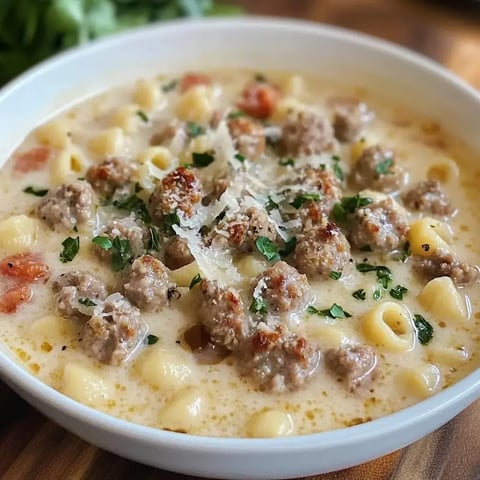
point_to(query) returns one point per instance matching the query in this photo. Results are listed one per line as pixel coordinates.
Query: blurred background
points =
(448, 30)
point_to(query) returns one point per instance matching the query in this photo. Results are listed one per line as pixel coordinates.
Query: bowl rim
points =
(17, 376)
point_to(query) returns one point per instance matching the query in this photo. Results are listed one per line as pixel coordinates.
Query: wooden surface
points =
(31, 447)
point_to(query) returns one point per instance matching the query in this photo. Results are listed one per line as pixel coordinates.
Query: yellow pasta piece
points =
(293, 85)
(108, 143)
(422, 382)
(147, 93)
(54, 134)
(250, 266)
(285, 106)
(445, 170)
(18, 233)
(326, 335)
(366, 141)
(67, 165)
(196, 104)
(160, 157)
(202, 143)
(440, 297)
(51, 327)
(183, 276)
(270, 423)
(127, 118)
(449, 356)
(389, 325)
(428, 235)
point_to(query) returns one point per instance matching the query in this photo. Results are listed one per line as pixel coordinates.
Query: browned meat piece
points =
(283, 289)
(321, 250)
(148, 286)
(277, 360)
(70, 287)
(354, 363)
(67, 205)
(350, 118)
(114, 330)
(377, 169)
(127, 228)
(248, 136)
(177, 253)
(307, 133)
(241, 231)
(180, 191)
(427, 196)
(381, 225)
(445, 264)
(106, 177)
(222, 313)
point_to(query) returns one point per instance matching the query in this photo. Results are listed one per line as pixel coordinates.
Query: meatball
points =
(350, 118)
(376, 169)
(355, 364)
(284, 290)
(307, 133)
(114, 330)
(67, 205)
(222, 313)
(381, 225)
(148, 286)
(177, 253)
(445, 264)
(70, 287)
(180, 191)
(277, 360)
(249, 137)
(321, 250)
(106, 177)
(242, 231)
(427, 196)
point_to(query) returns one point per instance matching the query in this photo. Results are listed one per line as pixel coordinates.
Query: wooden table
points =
(32, 447)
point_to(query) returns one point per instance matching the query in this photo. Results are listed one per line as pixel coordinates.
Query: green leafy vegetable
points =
(260, 77)
(38, 192)
(383, 168)
(349, 205)
(234, 115)
(203, 159)
(240, 157)
(196, 279)
(194, 129)
(134, 204)
(377, 294)
(142, 115)
(304, 197)
(268, 249)
(335, 275)
(287, 161)
(271, 205)
(168, 87)
(289, 247)
(398, 292)
(71, 246)
(152, 339)
(153, 240)
(121, 254)
(359, 294)
(168, 222)
(258, 305)
(424, 329)
(103, 242)
(335, 311)
(337, 170)
(87, 302)
(384, 275)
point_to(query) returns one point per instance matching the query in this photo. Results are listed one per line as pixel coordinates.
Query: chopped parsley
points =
(203, 159)
(38, 192)
(152, 339)
(365, 248)
(71, 246)
(271, 205)
(103, 242)
(134, 204)
(289, 247)
(142, 115)
(194, 129)
(335, 311)
(168, 222)
(240, 157)
(398, 292)
(287, 161)
(87, 302)
(335, 275)
(383, 168)
(168, 87)
(121, 254)
(153, 240)
(304, 197)
(424, 329)
(377, 294)
(349, 205)
(337, 170)
(259, 77)
(258, 305)
(384, 274)
(268, 249)
(234, 115)
(196, 279)
(359, 294)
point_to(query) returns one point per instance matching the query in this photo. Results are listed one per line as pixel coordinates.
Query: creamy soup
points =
(240, 254)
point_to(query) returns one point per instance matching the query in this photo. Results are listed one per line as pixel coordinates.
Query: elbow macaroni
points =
(160, 157)
(127, 118)
(18, 233)
(108, 143)
(427, 236)
(67, 165)
(196, 104)
(55, 134)
(445, 171)
(147, 93)
(183, 276)
(270, 423)
(424, 381)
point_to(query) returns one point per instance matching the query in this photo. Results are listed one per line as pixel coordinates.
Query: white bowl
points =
(263, 44)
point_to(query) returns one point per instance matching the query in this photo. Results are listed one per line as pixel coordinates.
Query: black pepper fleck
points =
(426, 247)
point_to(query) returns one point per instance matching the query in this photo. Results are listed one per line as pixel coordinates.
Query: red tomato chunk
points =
(32, 160)
(192, 80)
(27, 267)
(12, 298)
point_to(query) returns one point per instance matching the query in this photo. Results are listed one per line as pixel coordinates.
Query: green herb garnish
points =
(121, 254)
(38, 192)
(337, 170)
(134, 204)
(152, 339)
(289, 247)
(105, 243)
(87, 302)
(258, 305)
(196, 279)
(259, 77)
(359, 294)
(240, 157)
(304, 197)
(398, 292)
(169, 220)
(424, 329)
(203, 159)
(194, 129)
(168, 87)
(383, 168)
(142, 115)
(234, 115)
(349, 205)
(384, 274)
(335, 311)
(377, 294)
(287, 161)
(335, 275)
(271, 205)
(365, 248)
(153, 240)
(268, 249)
(71, 246)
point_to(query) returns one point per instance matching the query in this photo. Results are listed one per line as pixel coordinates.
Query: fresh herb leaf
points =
(398, 292)
(137, 188)
(121, 254)
(322, 167)
(289, 247)
(71, 246)
(424, 329)
(168, 87)
(349, 205)
(153, 240)
(196, 279)
(271, 205)
(287, 161)
(258, 305)
(194, 129)
(75, 229)
(134, 204)
(240, 157)
(38, 192)
(87, 302)
(335, 275)
(335, 311)
(365, 248)
(406, 252)
(304, 197)
(103, 242)
(142, 115)
(259, 77)
(359, 294)
(152, 339)
(384, 274)
(377, 294)
(383, 168)
(234, 115)
(268, 249)
(169, 220)
(337, 170)
(203, 159)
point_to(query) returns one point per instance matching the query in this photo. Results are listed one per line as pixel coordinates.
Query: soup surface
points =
(241, 254)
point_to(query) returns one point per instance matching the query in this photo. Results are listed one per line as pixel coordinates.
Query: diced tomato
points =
(31, 160)
(259, 99)
(193, 79)
(12, 298)
(25, 266)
